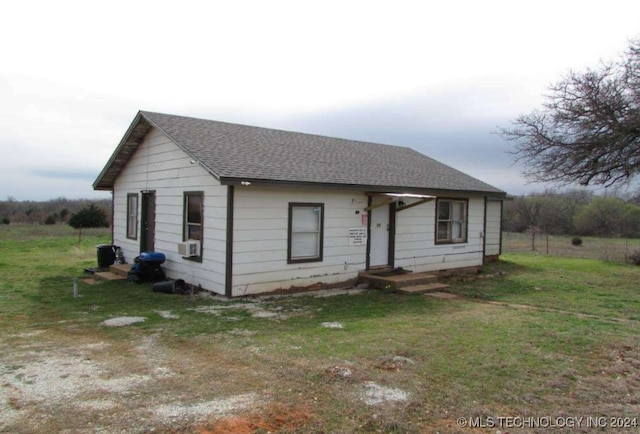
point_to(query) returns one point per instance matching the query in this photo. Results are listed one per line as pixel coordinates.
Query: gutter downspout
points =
(113, 207)
(484, 233)
(228, 271)
(367, 262)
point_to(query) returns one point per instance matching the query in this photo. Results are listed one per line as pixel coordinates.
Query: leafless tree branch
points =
(588, 129)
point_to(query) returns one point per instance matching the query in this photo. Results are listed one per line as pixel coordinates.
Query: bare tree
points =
(530, 210)
(588, 131)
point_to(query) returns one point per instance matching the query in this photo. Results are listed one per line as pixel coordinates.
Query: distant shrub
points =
(50, 220)
(5, 221)
(576, 241)
(89, 217)
(634, 258)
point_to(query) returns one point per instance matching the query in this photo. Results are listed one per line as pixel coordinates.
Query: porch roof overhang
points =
(389, 198)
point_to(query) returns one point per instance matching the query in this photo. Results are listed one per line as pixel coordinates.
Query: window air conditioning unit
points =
(189, 248)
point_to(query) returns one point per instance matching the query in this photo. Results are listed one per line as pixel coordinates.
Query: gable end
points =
(128, 145)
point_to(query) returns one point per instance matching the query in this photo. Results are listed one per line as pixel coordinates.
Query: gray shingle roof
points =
(239, 152)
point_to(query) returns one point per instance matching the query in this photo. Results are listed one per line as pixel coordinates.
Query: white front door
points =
(379, 254)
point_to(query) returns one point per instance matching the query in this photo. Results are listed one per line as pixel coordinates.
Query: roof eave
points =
(225, 180)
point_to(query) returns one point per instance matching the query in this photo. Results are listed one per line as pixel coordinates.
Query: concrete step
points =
(397, 281)
(108, 275)
(116, 272)
(120, 269)
(422, 289)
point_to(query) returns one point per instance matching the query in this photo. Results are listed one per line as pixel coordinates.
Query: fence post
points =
(547, 244)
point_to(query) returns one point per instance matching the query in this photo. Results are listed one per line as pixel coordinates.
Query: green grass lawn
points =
(588, 286)
(533, 336)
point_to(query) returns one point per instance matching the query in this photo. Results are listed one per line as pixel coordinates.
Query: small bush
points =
(50, 220)
(634, 258)
(89, 217)
(5, 220)
(576, 241)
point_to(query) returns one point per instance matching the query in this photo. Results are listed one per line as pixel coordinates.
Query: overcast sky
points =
(437, 76)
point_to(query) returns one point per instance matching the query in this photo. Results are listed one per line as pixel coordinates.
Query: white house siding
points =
(160, 165)
(415, 247)
(260, 239)
(493, 228)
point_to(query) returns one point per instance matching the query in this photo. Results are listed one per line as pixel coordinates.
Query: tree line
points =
(54, 211)
(570, 212)
(574, 212)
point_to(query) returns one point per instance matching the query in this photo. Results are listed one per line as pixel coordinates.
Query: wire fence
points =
(605, 249)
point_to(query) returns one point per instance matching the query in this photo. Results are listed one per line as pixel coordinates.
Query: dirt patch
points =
(332, 325)
(231, 425)
(274, 419)
(199, 412)
(53, 385)
(167, 314)
(315, 293)
(323, 293)
(257, 309)
(342, 372)
(375, 394)
(123, 321)
(394, 363)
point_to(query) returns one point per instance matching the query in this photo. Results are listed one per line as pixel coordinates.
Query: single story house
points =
(243, 210)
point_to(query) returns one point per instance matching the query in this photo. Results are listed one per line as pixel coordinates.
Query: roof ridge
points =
(323, 136)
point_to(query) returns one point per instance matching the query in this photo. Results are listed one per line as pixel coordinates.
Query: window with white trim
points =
(306, 232)
(451, 221)
(132, 216)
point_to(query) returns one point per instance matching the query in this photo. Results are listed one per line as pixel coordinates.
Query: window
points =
(451, 225)
(306, 231)
(132, 216)
(193, 218)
